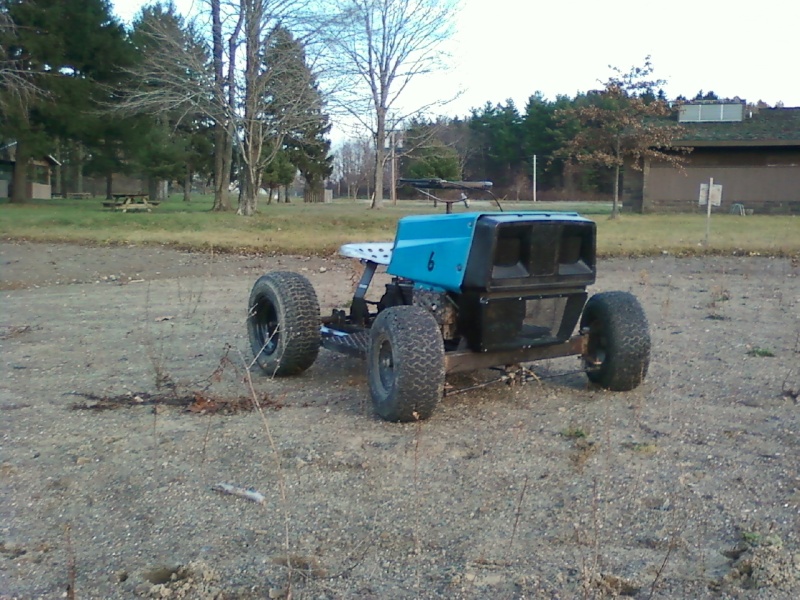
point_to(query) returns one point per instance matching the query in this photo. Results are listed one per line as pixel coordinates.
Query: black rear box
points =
(525, 280)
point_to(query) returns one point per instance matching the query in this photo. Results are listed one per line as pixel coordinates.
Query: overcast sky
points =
(512, 48)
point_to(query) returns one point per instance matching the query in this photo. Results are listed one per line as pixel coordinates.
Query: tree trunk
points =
(78, 168)
(313, 191)
(187, 184)
(252, 139)
(222, 199)
(615, 206)
(109, 186)
(248, 196)
(152, 188)
(380, 158)
(618, 156)
(569, 180)
(157, 189)
(245, 208)
(223, 157)
(227, 164)
(222, 142)
(63, 172)
(19, 182)
(58, 179)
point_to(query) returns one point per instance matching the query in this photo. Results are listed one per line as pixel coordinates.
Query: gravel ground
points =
(122, 402)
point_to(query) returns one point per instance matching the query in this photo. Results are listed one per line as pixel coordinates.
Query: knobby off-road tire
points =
(405, 364)
(619, 340)
(283, 323)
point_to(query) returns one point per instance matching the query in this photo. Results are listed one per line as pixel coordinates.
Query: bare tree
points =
(352, 164)
(264, 101)
(174, 74)
(280, 95)
(16, 82)
(17, 89)
(224, 126)
(456, 134)
(385, 44)
(625, 120)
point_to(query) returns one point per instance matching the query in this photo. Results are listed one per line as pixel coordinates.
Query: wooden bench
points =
(131, 203)
(79, 195)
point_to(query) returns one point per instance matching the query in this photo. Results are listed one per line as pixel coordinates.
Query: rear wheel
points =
(283, 323)
(405, 364)
(618, 353)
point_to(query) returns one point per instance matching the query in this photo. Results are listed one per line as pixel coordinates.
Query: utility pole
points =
(708, 209)
(534, 178)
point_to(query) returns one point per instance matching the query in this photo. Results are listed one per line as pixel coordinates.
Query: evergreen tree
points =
(295, 90)
(427, 155)
(174, 142)
(70, 49)
(279, 173)
(498, 136)
(198, 138)
(542, 136)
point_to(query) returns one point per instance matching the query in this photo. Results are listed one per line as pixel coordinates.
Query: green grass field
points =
(300, 228)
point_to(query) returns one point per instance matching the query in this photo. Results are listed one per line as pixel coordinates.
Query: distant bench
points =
(79, 195)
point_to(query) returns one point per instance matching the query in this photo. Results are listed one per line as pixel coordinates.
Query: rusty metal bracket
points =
(459, 361)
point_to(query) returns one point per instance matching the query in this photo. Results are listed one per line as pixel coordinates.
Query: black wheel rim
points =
(386, 365)
(596, 351)
(266, 321)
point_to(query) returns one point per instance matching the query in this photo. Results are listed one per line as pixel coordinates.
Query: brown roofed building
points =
(39, 173)
(753, 153)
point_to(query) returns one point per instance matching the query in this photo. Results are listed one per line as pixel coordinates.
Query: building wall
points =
(767, 181)
(764, 189)
(39, 191)
(122, 184)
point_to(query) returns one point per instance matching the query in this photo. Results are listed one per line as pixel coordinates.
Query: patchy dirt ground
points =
(120, 405)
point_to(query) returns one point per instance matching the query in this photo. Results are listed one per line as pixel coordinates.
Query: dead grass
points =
(683, 235)
(321, 228)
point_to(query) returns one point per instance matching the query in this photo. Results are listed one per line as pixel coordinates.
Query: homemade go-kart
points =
(468, 291)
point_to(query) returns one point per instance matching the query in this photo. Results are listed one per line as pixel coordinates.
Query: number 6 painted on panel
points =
(431, 264)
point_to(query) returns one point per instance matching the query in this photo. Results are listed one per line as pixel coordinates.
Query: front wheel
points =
(283, 323)
(405, 364)
(618, 352)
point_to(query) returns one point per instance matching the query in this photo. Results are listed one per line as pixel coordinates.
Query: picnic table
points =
(131, 202)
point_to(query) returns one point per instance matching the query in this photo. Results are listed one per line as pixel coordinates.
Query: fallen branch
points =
(248, 494)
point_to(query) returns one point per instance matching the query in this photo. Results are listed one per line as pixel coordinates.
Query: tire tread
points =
(625, 325)
(418, 353)
(299, 337)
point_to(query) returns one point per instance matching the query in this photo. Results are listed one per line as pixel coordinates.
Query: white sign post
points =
(710, 195)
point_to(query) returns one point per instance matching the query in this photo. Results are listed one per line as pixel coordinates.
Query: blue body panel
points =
(432, 250)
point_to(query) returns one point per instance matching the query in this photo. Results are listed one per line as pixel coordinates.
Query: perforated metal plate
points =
(377, 252)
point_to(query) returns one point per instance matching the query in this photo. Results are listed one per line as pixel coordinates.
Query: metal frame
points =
(354, 339)
(467, 360)
(348, 332)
